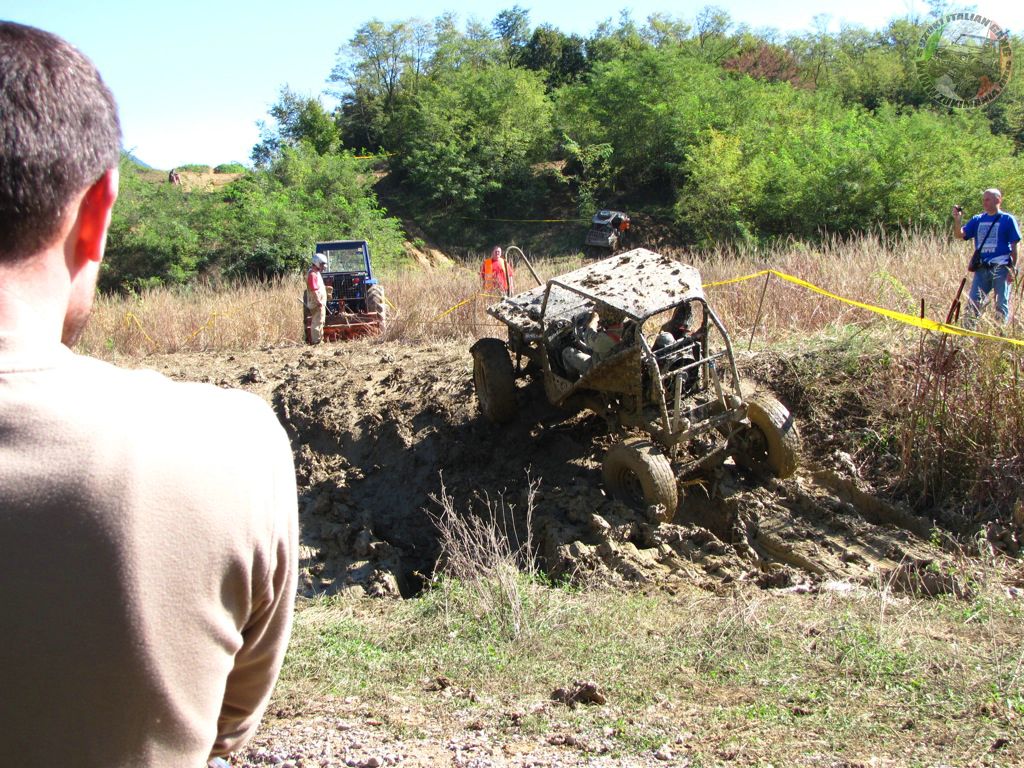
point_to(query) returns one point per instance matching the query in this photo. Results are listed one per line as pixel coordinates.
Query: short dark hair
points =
(59, 133)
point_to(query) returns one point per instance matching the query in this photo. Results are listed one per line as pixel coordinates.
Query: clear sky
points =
(192, 77)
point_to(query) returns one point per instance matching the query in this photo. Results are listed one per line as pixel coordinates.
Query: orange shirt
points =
(494, 273)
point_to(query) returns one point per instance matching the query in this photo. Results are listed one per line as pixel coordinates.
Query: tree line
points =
(721, 132)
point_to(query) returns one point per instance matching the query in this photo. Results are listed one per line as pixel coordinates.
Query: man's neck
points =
(34, 298)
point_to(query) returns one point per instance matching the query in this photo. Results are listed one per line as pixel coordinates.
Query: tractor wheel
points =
(772, 441)
(637, 472)
(375, 303)
(494, 379)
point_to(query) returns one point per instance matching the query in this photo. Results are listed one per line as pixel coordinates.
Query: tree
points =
(662, 30)
(592, 173)
(713, 40)
(296, 119)
(473, 136)
(513, 28)
(374, 70)
(608, 42)
(649, 106)
(153, 236)
(768, 62)
(559, 57)
(268, 221)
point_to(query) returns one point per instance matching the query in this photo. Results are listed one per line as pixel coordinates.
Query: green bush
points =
(262, 224)
(230, 168)
(474, 135)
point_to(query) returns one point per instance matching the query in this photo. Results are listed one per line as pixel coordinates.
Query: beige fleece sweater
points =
(148, 549)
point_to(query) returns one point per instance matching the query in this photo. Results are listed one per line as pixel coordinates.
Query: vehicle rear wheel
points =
(375, 302)
(494, 379)
(636, 472)
(772, 441)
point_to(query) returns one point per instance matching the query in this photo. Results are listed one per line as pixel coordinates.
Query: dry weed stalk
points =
(963, 428)
(489, 558)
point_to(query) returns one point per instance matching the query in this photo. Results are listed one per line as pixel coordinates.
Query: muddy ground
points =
(379, 428)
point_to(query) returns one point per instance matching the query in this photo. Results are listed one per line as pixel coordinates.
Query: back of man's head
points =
(59, 133)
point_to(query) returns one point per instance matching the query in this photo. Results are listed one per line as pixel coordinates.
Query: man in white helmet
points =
(316, 299)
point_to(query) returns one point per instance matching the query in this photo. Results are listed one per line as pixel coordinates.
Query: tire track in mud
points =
(377, 428)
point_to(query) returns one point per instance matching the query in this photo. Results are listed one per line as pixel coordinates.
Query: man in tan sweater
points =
(148, 529)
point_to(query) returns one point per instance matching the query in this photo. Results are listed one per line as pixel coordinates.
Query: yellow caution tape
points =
(129, 317)
(207, 324)
(452, 309)
(738, 279)
(902, 317)
(466, 301)
(214, 315)
(524, 221)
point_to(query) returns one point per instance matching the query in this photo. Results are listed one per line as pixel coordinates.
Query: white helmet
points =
(319, 260)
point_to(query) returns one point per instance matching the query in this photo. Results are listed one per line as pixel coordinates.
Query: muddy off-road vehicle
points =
(607, 230)
(355, 300)
(664, 374)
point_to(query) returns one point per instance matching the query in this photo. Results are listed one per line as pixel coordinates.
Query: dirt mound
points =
(192, 180)
(420, 249)
(377, 428)
(426, 256)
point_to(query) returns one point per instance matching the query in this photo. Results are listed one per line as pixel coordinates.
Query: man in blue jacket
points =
(995, 236)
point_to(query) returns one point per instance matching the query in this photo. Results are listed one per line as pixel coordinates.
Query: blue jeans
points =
(989, 279)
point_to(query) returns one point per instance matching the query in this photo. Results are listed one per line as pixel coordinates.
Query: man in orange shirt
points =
(495, 273)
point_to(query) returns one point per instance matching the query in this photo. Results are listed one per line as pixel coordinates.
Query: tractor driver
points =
(316, 299)
(600, 336)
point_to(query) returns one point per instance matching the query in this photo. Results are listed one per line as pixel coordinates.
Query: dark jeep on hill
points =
(607, 230)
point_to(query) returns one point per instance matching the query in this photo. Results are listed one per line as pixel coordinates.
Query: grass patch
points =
(908, 680)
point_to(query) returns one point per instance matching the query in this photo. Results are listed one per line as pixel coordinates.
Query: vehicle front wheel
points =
(772, 441)
(636, 472)
(494, 379)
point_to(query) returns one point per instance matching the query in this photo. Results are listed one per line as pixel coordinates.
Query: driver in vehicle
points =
(599, 337)
(677, 328)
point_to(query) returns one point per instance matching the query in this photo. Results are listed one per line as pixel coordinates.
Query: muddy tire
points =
(636, 472)
(772, 442)
(494, 379)
(375, 303)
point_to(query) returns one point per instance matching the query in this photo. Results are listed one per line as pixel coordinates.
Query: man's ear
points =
(94, 211)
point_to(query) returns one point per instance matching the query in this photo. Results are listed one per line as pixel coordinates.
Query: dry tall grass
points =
(246, 315)
(893, 272)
